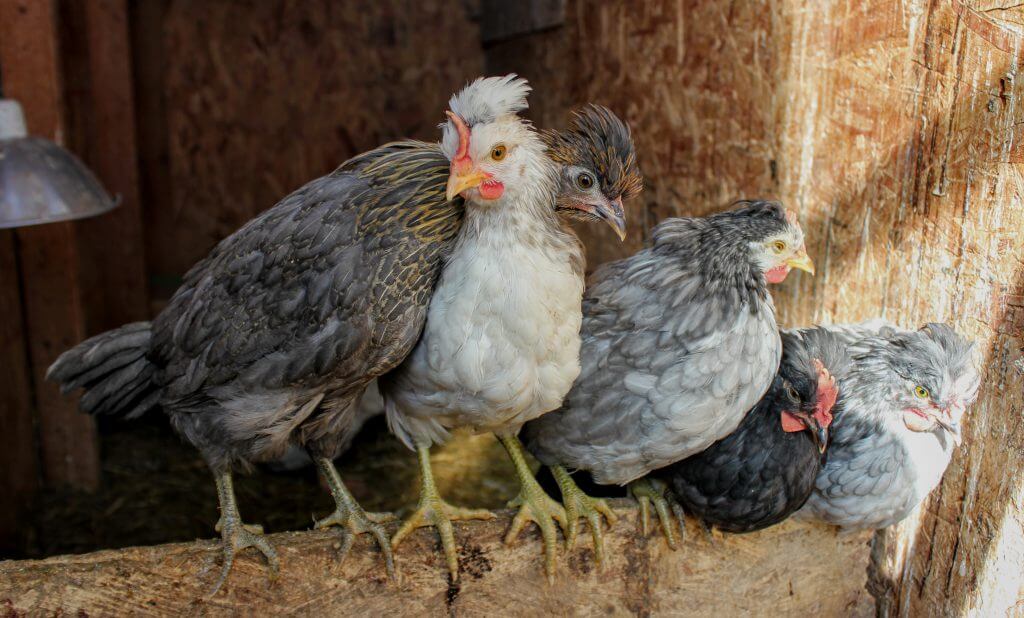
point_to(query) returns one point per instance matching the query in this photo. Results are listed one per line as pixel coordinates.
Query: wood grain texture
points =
(259, 98)
(98, 81)
(796, 569)
(895, 130)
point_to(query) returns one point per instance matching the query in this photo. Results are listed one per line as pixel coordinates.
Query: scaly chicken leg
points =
(649, 491)
(432, 510)
(534, 505)
(236, 535)
(352, 517)
(578, 504)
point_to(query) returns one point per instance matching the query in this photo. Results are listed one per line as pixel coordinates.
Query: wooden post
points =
(29, 58)
(895, 130)
(19, 462)
(98, 83)
(68, 64)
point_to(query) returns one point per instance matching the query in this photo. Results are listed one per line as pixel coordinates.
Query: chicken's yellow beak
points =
(461, 180)
(801, 261)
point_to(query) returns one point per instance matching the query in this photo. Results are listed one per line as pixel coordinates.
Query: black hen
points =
(765, 470)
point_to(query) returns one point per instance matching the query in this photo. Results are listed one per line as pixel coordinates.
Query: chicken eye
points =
(498, 152)
(779, 246)
(921, 392)
(585, 181)
(795, 396)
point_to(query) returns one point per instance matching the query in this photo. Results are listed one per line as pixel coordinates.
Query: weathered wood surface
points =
(895, 130)
(101, 131)
(796, 569)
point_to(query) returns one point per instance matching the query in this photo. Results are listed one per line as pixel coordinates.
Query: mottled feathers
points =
(679, 341)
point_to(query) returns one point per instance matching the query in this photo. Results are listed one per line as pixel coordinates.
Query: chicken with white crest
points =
(501, 342)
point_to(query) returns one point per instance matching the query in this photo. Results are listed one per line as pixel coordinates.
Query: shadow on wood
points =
(797, 568)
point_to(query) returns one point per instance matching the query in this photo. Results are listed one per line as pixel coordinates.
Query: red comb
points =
(827, 394)
(460, 126)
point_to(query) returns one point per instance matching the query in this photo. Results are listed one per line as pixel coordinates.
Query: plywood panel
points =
(259, 98)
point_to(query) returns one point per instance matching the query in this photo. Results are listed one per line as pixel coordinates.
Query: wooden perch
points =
(796, 568)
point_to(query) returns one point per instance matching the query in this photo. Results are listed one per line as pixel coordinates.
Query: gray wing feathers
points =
(665, 369)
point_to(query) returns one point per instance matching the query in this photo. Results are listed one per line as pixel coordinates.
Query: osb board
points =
(894, 129)
(796, 569)
(254, 99)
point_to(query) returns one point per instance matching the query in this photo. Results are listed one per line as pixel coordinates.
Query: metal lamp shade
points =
(40, 182)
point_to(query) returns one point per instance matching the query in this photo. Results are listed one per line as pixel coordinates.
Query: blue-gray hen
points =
(904, 401)
(679, 342)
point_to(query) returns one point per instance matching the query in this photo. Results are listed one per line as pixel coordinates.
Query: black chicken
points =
(765, 470)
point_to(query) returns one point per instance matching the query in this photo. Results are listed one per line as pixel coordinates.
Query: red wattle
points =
(790, 423)
(777, 274)
(491, 189)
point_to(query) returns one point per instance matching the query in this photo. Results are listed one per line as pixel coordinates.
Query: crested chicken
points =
(679, 342)
(501, 341)
(765, 470)
(904, 401)
(598, 173)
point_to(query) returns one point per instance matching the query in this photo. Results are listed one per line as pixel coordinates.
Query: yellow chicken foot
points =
(578, 504)
(534, 505)
(350, 516)
(435, 512)
(235, 535)
(647, 491)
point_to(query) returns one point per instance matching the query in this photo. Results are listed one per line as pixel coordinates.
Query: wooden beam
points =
(795, 569)
(30, 60)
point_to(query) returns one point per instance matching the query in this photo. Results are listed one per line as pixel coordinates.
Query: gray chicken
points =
(501, 342)
(679, 342)
(904, 402)
(273, 337)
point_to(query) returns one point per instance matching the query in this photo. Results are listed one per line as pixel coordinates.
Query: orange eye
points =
(498, 152)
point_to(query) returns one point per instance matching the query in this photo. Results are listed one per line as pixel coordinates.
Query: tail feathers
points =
(113, 369)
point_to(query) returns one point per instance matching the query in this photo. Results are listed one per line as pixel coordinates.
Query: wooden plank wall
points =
(272, 94)
(69, 66)
(895, 130)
